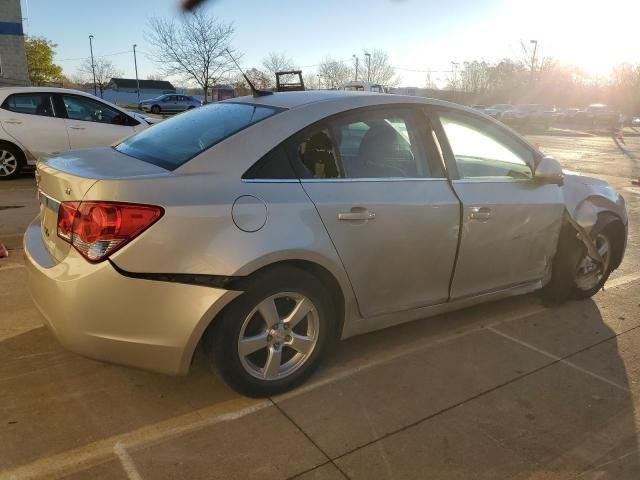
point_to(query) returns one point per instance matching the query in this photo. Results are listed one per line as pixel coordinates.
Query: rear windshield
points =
(173, 142)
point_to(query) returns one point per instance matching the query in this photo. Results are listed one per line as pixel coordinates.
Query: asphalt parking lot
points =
(508, 390)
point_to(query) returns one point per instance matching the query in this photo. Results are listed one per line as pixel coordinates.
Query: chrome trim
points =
(270, 180)
(491, 180)
(48, 202)
(381, 179)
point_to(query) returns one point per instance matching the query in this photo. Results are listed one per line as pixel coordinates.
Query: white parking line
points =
(558, 359)
(82, 458)
(98, 452)
(10, 267)
(126, 461)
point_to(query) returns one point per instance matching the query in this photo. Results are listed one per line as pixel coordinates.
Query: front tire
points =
(272, 337)
(574, 274)
(155, 109)
(12, 161)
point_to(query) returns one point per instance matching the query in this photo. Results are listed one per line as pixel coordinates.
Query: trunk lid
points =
(68, 177)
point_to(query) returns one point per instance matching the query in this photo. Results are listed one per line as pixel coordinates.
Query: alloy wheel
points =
(8, 163)
(589, 272)
(278, 336)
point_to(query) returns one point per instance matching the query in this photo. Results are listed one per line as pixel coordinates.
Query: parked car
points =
(497, 110)
(39, 122)
(635, 122)
(169, 103)
(601, 115)
(265, 228)
(527, 115)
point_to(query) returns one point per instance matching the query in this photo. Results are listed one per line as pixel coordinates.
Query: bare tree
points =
(334, 73)
(277, 62)
(430, 83)
(105, 71)
(377, 68)
(474, 77)
(258, 78)
(195, 49)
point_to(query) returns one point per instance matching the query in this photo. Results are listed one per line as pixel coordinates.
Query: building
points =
(147, 87)
(13, 58)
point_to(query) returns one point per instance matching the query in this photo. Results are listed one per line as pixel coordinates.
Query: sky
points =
(418, 35)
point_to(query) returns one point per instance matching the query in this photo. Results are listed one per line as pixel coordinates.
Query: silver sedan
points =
(169, 103)
(264, 228)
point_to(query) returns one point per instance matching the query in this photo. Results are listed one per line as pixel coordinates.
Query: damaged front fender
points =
(586, 200)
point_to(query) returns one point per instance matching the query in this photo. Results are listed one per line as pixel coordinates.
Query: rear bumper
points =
(98, 313)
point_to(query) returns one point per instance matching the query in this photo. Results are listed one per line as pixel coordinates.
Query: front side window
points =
(365, 144)
(30, 103)
(177, 140)
(481, 150)
(88, 110)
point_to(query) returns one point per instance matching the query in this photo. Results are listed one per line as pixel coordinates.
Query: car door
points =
(91, 123)
(510, 222)
(385, 203)
(30, 118)
(170, 103)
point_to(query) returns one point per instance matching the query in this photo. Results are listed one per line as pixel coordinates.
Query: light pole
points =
(93, 67)
(533, 59)
(356, 58)
(368, 55)
(319, 81)
(135, 63)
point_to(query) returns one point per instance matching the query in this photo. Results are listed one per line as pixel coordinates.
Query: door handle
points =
(481, 214)
(357, 214)
(78, 128)
(14, 122)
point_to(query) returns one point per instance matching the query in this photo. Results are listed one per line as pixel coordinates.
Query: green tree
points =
(40, 52)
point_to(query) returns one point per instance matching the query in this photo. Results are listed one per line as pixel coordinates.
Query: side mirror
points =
(549, 170)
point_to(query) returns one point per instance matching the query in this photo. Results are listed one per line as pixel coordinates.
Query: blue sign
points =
(11, 28)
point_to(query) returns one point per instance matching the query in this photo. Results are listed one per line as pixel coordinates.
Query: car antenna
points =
(256, 92)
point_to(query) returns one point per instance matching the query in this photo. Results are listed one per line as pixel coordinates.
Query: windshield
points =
(174, 142)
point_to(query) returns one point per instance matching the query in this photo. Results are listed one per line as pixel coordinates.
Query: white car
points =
(36, 123)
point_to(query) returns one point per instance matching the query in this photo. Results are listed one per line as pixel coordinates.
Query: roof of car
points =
(10, 90)
(297, 99)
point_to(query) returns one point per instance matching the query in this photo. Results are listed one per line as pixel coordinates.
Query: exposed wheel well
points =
(18, 148)
(318, 271)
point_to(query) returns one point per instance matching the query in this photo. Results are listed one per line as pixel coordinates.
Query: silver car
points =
(265, 228)
(169, 103)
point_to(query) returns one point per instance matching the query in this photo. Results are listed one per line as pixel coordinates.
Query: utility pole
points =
(454, 66)
(319, 81)
(135, 62)
(93, 67)
(533, 60)
(368, 55)
(356, 67)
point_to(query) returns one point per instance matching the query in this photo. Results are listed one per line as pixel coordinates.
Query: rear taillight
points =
(97, 229)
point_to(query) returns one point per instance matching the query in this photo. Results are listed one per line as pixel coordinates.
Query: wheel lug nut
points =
(288, 338)
(269, 338)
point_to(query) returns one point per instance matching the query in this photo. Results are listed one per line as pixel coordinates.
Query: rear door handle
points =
(357, 214)
(78, 128)
(481, 214)
(14, 122)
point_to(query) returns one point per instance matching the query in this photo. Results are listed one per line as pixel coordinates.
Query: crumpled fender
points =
(586, 198)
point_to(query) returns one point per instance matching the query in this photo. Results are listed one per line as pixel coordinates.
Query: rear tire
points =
(257, 343)
(155, 109)
(12, 161)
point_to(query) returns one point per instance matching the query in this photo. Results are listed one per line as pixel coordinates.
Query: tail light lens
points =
(97, 229)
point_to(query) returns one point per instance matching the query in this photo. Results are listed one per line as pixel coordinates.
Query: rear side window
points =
(365, 144)
(30, 103)
(174, 142)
